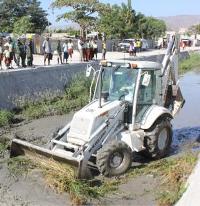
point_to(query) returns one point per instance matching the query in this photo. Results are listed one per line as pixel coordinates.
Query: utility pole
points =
(130, 4)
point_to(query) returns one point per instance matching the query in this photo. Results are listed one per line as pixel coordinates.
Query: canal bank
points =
(20, 86)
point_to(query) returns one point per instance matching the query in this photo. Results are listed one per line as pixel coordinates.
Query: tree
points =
(23, 25)
(82, 12)
(150, 27)
(123, 22)
(11, 11)
(195, 29)
(38, 16)
(118, 23)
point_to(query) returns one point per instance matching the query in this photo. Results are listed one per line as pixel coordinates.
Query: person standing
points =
(47, 50)
(84, 50)
(23, 49)
(59, 52)
(104, 50)
(88, 50)
(131, 49)
(80, 48)
(65, 52)
(10, 46)
(1, 53)
(70, 46)
(95, 49)
(7, 57)
(137, 45)
(29, 53)
(18, 51)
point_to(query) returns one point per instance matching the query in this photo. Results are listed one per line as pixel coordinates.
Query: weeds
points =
(6, 117)
(19, 165)
(76, 96)
(61, 177)
(173, 174)
(4, 145)
(190, 63)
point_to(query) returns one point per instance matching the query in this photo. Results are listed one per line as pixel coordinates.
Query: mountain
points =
(181, 21)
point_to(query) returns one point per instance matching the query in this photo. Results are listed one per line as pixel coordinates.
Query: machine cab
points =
(137, 83)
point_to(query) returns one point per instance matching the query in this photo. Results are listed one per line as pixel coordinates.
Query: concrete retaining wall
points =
(19, 86)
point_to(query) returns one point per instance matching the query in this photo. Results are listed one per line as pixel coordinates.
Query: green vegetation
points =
(4, 145)
(22, 25)
(61, 177)
(12, 11)
(193, 62)
(6, 117)
(195, 29)
(19, 166)
(81, 12)
(75, 97)
(123, 22)
(116, 21)
(173, 174)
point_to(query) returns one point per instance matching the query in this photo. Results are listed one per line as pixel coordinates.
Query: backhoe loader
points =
(131, 107)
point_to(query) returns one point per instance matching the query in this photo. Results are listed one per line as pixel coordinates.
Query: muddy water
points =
(187, 123)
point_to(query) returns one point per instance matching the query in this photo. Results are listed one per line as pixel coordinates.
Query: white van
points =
(125, 44)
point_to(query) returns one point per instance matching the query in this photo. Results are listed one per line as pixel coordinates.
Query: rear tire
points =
(114, 158)
(158, 139)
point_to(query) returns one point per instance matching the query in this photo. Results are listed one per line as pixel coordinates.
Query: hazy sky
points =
(148, 7)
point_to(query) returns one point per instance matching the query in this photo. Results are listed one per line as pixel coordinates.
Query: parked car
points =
(125, 44)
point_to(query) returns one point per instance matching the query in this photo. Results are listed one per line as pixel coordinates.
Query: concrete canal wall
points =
(20, 86)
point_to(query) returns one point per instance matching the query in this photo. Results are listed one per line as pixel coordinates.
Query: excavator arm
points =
(171, 92)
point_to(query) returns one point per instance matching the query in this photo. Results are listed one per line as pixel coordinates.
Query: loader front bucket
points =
(20, 147)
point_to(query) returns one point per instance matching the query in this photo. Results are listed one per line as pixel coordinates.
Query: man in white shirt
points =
(65, 52)
(47, 50)
(80, 48)
(70, 48)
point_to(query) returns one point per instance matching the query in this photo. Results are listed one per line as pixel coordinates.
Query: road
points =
(39, 60)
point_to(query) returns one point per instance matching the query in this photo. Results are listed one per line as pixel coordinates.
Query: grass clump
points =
(20, 165)
(62, 178)
(190, 63)
(173, 173)
(75, 97)
(6, 117)
(4, 145)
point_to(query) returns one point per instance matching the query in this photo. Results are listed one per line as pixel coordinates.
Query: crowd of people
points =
(88, 49)
(20, 52)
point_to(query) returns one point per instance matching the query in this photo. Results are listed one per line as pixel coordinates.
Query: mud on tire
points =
(155, 148)
(114, 158)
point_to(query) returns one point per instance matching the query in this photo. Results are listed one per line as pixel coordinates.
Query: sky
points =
(154, 8)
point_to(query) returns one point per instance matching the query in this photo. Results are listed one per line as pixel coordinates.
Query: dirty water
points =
(187, 123)
(32, 191)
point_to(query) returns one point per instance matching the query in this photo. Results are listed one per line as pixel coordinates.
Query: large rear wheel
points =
(158, 139)
(114, 158)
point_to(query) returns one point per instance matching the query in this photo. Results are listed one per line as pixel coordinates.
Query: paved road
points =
(38, 59)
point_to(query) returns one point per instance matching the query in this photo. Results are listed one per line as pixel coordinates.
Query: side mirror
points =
(89, 70)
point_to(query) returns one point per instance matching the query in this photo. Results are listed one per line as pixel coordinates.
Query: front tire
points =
(158, 139)
(114, 158)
